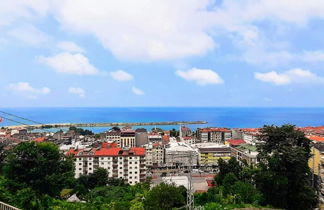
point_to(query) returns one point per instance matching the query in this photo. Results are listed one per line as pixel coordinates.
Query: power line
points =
(23, 118)
(13, 120)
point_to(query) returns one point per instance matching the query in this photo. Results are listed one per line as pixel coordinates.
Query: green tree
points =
(164, 197)
(232, 166)
(96, 179)
(174, 133)
(285, 178)
(38, 166)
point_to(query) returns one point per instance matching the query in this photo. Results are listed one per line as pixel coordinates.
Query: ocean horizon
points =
(230, 117)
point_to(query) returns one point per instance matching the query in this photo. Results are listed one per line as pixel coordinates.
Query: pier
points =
(117, 124)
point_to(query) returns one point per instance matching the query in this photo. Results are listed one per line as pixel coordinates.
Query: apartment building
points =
(113, 135)
(217, 135)
(154, 155)
(211, 155)
(127, 138)
(245, 152)
(180, 154)
(128, 164)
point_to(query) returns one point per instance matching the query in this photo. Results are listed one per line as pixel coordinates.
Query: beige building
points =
(127, 138)
(154, 155)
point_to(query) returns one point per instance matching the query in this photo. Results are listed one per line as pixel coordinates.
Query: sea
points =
(229, 117)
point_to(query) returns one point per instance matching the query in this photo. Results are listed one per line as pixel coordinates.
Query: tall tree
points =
(164, 197)
(285, 178)
(232, 166)
(40, 167)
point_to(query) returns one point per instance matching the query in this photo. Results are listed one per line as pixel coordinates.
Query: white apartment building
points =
(250, 138)
(128, 164)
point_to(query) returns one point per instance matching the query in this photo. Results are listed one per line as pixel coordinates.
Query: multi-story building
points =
(127, 164)
(245, 152)
(154, 137)
(127, 138)
(180, 154)
(154, 155)
(217, 135)
(316, 164)
(185, 131)
(141, 137)
(210, 155)
(113, 135)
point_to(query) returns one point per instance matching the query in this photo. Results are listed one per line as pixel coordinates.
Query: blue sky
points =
(161, 53)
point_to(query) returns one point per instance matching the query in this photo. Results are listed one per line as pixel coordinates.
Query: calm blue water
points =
(220, 117)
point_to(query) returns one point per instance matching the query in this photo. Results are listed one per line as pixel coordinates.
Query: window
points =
(102, 163)
(120, 167)
(120, 172)
(90, 164)
(102, 158)
(135, 172)
(130, 172)
(130, 177)
(90, 158)
(80, 169)
(108, 167)
(90, 169)
(80, 164)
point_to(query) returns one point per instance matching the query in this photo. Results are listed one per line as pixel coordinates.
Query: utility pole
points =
(190, 196)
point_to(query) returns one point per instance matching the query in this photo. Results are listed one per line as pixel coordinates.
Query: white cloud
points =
(144, 30)
(288, 77)
(121, 75)
(168, 29)
(70, 47)
(29, 34)
(201, 76)
(313, 56)
(77, 91)
(26, 89)
(11, 10)
(69, 63)
(137, 91)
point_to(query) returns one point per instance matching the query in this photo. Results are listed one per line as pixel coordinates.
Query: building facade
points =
(217, 135)
(127, 138)
(127, 164)
(211, 155)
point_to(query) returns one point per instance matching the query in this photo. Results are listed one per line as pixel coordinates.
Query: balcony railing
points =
(4, 206)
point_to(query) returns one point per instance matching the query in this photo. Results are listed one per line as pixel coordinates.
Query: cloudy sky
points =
(162, 53)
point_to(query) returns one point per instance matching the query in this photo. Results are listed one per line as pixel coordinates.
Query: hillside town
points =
(135, 154)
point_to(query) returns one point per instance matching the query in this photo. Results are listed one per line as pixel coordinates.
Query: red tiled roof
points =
(109, 145)
(39, 139)
(210, 183)
(316, 138)
(185, 128)
(236, 142)
(312, 128)
(165, 137)
(138, 151)
(73, 151)
(249, 129)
